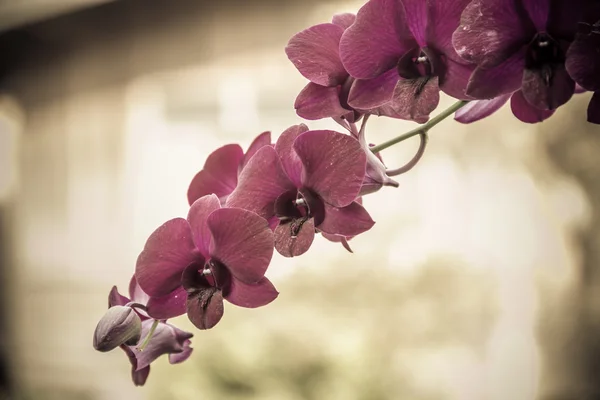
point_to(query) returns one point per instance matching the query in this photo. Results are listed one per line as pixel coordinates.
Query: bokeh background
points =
(480, 280)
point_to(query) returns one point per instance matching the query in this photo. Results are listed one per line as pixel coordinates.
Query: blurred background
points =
(480, 280)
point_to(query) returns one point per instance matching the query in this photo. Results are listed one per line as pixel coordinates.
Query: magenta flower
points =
(166, 338)
(221, 169)
(583, 58)
(402, 50)
(309, 181)
(217, 253)
(519, 46)
(479, 109)
(315, 53)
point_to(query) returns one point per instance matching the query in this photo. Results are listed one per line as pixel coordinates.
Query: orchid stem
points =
(421, 129)
(413, 162)
(149, 335)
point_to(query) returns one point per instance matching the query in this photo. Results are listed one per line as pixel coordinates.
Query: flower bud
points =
(120, 325)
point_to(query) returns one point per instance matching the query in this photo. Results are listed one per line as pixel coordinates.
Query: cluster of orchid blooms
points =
(391, 59)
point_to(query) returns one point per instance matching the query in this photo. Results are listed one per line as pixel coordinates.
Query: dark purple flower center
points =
(542, 54)
(418, 63)
(295, 207)
(206, 274)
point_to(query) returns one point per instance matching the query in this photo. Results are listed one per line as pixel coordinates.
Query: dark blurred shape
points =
(569, 326)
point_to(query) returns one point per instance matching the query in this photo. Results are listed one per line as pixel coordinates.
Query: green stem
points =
(149, 335)
(421, 129)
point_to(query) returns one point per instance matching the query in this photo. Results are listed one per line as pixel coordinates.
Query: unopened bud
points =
(120, 325)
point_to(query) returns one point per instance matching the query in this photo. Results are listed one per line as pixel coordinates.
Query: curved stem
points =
(423, 128)
(410, 165)
(147, 340)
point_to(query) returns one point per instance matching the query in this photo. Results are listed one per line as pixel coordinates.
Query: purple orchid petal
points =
(264, 139)
(169, 306)
(253, 295)
(205, 307)
(315, 53)
(260, 183)
(242, 241)
(344, 20)
(443, 19)
(366, 94)
(177, 358)
(115, 298)
(547, 93)
(290, 161)
(166, 339)
(139, 377)
(380, 22)
(594, 109)
(334, 165)
(479, 109)
(289, 245)
(525, 112)
(351, 220)
(487, 83)
(491, 31)
(538, 11)
(416, 17)
(415, 99)
(339, 239)
(564, 16)
(197, 217)
(455, 79)
(136, 292)
(167, 252)
(219, 174)
(583, 61)
(317, 102)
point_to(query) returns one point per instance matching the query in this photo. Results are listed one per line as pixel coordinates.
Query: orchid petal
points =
(479, 109)
(260, 183)
(290, 161)
(169, 306)
(334, 165)
(177, 358)
(487, 83)
(416, 17)
(525, 112)
(346, 221)
(344, 20)
(197, 216)
(415, 99)
(315, 53)
(455, 79)
(136, 293)
(253, 295)
(219, 174)
(548, 93)
(583, 61)
(378, 38)
(366, 94)
(491, 31)
(443, 20)
(242, 241)
(538, 12)
(165, 340)
(167, 252)
(264, 139)
(316, 102)
(205, 307)
(290, 245)
(116, 299)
